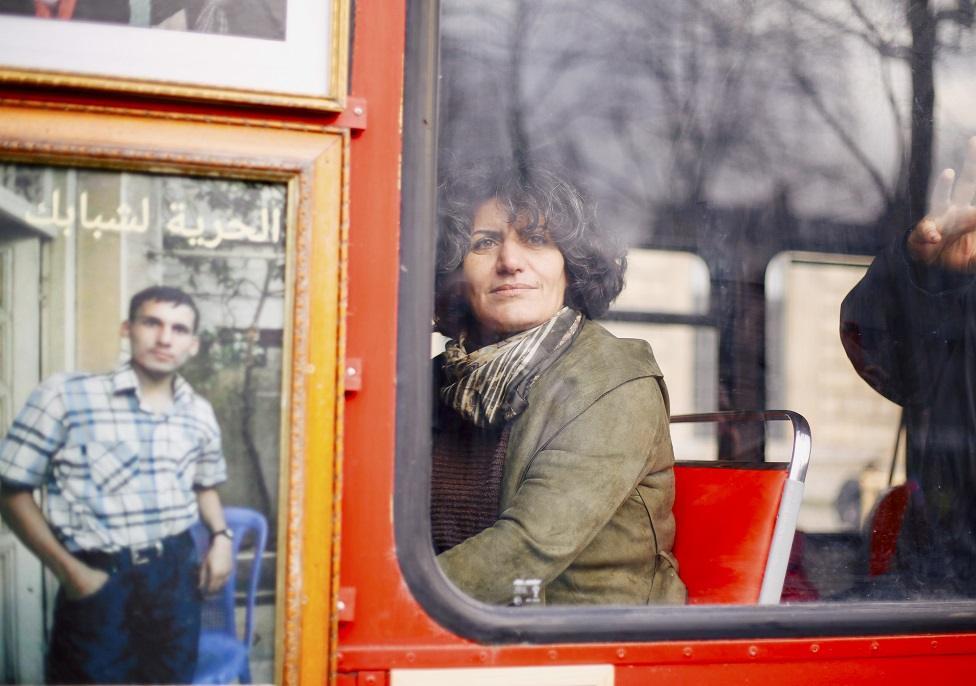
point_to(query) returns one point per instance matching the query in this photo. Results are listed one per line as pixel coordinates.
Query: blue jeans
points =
(141, 627)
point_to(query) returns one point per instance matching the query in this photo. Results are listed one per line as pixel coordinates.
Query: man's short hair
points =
(166, 294)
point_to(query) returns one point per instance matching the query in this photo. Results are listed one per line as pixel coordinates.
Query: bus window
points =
(856, 428)
(708, 139)
(853, 460)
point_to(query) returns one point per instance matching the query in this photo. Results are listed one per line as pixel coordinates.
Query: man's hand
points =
(26, 520)
(946, 237)
(217, 565)
(83, 582)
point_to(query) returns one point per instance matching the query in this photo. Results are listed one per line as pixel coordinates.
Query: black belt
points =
(135, 557)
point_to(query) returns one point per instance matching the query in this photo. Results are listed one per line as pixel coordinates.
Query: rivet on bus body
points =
(358, 111)
(874, 645)
(483, 656)
(814, 648)
(411, 657)
(935, 644)
(621, 653)
(553, 654)
(370, 679)
(753, 651)
(341, 606)
(687, 651)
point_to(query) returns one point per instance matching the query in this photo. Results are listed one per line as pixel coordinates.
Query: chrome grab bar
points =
(802, 439)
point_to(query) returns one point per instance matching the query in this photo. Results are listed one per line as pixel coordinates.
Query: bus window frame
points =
(485, 623)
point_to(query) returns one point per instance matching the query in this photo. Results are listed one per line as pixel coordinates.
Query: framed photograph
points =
(249, 222)
(273, 52)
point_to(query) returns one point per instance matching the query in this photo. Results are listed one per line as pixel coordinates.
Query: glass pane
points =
(856, 428)
(708, 138)
(664, 281)
(110, 235)
(266, 20)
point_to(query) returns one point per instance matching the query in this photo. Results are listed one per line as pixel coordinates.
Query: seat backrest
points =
(250, 529)
(725, 514)
(735, 521)
(898, 508)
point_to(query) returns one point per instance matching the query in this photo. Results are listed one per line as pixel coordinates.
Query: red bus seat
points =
(885, 523)
(736, 520)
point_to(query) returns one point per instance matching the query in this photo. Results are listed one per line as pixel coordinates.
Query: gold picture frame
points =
(311, 166)
(304, 65)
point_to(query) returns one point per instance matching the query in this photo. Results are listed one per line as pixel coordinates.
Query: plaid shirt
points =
(118, 474)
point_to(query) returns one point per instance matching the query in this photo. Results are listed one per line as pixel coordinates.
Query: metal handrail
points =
(802, 439)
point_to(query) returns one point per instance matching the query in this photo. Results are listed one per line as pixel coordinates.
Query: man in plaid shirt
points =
(129, 461)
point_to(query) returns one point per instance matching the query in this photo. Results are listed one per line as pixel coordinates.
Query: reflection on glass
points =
(737, 132)
(82, 242)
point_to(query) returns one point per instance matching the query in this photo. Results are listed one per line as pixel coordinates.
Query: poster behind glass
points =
(98, 237)
(264, 19)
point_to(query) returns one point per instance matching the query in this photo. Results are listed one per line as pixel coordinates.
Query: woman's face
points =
(514, 278)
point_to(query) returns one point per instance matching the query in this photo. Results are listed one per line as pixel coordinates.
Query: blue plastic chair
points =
(223, 656)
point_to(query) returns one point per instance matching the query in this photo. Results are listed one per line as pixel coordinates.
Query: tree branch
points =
(807, 88)
(884, 47)
(868, 24)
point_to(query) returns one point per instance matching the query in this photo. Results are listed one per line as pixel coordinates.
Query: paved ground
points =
(262, 652)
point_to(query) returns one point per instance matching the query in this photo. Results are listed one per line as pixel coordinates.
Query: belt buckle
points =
(148, 554)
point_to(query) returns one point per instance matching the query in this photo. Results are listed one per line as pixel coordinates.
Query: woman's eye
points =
(537, 239)
(482, 244)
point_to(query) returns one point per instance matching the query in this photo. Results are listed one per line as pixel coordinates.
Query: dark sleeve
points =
(901, 323)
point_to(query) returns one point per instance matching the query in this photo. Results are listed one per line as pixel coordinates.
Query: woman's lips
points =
(511, 288)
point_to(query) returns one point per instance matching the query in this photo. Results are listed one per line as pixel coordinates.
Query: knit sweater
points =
(466, 478)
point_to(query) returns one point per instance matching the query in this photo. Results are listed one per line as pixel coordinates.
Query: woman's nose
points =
(511, 256)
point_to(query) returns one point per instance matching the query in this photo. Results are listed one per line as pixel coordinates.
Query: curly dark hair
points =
(594, 261)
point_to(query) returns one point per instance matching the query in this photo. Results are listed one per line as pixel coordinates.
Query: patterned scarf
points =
(491, 385)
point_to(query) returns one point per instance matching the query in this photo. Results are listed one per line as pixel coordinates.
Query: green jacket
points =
(588, 486)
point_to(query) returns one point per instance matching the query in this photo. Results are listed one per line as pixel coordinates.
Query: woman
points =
(552, 457)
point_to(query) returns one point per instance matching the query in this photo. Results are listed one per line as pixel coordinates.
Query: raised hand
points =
(946, 237)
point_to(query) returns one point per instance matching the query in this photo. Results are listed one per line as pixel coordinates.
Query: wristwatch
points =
(229, 533)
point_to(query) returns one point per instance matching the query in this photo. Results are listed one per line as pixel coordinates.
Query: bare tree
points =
(915, 38)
